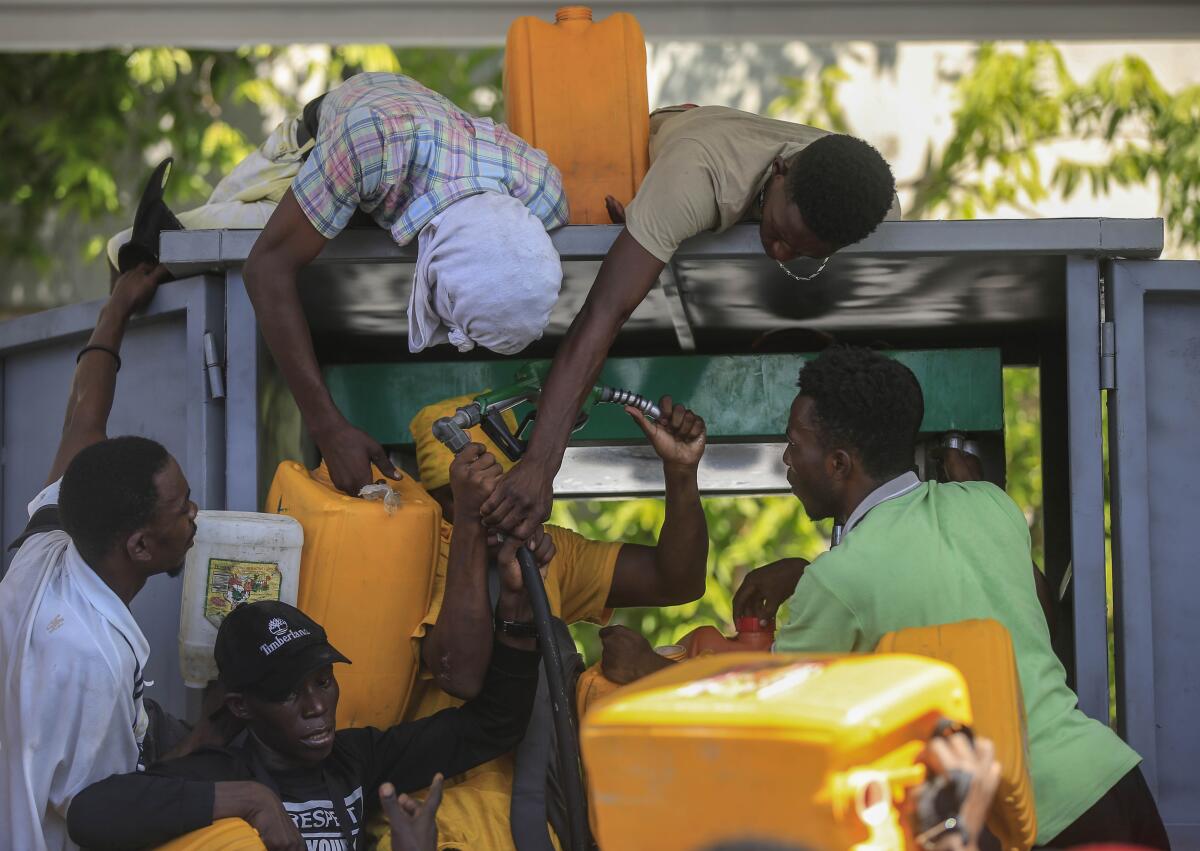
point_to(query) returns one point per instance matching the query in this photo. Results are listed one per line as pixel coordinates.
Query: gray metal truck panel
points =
(1153, 410)
(970, 283)
(162, 393)
(1086, 464)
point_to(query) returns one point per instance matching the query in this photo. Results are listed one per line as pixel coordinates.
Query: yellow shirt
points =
(707, 164)
(475, 806)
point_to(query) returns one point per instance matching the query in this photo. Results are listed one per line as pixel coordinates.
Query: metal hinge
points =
(213, 367)
(1108, 356)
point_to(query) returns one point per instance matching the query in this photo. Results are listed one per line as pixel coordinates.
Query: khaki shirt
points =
(707, 165)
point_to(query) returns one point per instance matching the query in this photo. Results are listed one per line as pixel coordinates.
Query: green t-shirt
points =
(951, 552)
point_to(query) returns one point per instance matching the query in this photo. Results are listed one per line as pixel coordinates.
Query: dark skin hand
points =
(764, 590)
(288, 243)
(628, 656)
(262, 809)
(616, 210)
(979, 761)
(413, 823)
(961, 466)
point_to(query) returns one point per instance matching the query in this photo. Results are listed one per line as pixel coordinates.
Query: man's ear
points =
(841, 464)
(235, 702)
(779, 166)
(137, 545)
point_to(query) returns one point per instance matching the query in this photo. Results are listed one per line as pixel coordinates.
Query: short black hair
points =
(843, 187)
(108, 491)
(866, 402)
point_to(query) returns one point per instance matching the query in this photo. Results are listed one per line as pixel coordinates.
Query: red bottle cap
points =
(753, 624)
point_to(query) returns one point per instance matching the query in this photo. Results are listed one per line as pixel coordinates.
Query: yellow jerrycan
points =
(228, 834)
(366, 575)
(576, 88)
(816, 750)
(982, 651)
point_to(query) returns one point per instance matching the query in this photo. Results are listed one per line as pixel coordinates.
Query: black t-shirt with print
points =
(139, 810)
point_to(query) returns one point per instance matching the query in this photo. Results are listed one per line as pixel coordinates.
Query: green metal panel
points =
(742, 397)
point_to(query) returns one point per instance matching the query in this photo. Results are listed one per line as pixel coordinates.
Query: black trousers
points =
(1127, 813)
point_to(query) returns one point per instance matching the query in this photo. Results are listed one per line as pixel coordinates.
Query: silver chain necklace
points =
(802, 278)
(762, 197)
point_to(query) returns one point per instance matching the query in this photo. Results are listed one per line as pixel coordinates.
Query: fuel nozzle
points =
(488, 409)
(617, 396)
(452, 430)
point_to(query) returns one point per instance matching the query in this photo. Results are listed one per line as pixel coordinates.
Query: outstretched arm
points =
(673, 572)
(95, 379)
(522, 499)
(287, 244)
(131, 811)
(458, 648)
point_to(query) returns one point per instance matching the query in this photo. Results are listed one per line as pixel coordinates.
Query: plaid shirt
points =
(402, 153)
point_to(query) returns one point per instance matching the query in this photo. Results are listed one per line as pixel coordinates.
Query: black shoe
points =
(152, 218)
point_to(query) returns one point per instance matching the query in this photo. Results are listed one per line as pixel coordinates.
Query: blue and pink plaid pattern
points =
(404, 153)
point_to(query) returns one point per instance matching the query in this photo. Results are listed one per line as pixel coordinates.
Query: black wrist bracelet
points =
(95, 348)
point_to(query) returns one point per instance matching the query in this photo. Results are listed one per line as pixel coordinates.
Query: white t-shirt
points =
(71, 713)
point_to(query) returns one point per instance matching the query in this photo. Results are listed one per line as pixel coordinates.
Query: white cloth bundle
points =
(487, 274)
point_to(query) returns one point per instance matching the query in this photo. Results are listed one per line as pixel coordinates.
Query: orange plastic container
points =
(815, 750)
(982, 650)
(752, 637)
(593, 686)
(366, 576)
(229, 834)
(577, 89)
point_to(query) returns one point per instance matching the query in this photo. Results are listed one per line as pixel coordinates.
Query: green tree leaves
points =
(744, 532)
(80, 131)
(1013, 104)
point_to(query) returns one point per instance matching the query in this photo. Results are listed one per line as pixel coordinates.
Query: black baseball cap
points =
(268, 647)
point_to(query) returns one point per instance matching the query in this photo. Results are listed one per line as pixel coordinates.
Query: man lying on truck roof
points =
(585, 580)
(812, 193)
(919, 553)
(295, 779)
(114, 513)
(476, 197)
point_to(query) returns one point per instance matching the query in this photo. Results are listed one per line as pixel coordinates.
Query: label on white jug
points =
(231, 583)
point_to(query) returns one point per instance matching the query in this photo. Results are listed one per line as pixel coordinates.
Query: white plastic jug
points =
(239, 557)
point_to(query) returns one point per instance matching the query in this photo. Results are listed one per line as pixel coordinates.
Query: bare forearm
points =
(626, 276)
(461, 642)
(577, 363)
(273, 292)
(681, 557)
(95, 379)
(92, 387)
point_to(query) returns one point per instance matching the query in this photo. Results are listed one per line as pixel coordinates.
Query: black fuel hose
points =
(560, 703)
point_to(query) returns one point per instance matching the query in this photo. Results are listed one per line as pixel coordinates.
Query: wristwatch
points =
(516, 629)
(935, 838)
